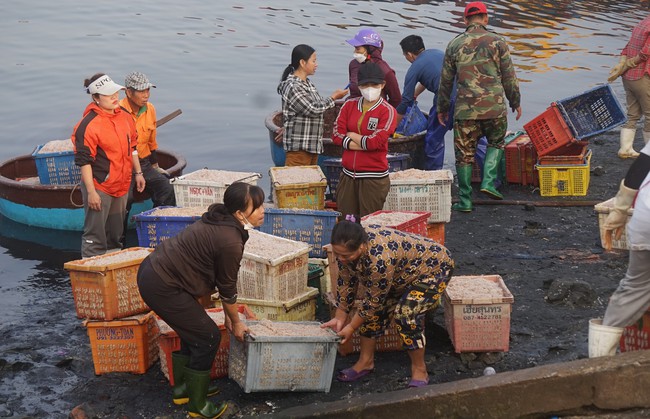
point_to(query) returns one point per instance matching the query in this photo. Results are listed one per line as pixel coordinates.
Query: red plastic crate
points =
(637, 336)
(436, 231)
(549, 131)
(520, 162)
(417, 225)
(170, 342)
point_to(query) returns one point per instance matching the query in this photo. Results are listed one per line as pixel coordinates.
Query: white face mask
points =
(371, 93)
(247, 224)
(359, 57)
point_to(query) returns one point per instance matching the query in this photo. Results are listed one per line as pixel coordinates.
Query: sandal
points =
(349, 374)
(418, 383)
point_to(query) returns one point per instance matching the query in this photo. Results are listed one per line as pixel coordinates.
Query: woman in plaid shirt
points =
(303, 108)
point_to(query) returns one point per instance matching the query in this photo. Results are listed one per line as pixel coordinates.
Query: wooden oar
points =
(168, 118)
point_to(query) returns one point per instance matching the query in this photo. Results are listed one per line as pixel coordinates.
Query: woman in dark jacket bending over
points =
(203, 257)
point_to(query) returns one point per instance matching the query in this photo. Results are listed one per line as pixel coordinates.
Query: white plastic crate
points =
(192, 190)
(283, 363)
(603, 209)
(273, 277)
(432, 194)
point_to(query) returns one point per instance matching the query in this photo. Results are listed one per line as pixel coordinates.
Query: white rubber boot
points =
(603, 340)
(646, 136)
(627, 139)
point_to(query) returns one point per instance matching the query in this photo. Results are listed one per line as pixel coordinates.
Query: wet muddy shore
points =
(549, 257)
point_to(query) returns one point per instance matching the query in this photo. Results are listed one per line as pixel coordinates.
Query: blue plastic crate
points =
(413, 121)
(592, 112)
(333, 167)
(153, 229)
(304, 225)
(56, 168)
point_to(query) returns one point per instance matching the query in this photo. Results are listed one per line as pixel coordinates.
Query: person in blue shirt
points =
(424, 74)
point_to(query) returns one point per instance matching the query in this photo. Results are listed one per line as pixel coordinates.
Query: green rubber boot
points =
(179, 391)
(491, 171)
(197, 388)
(464, 174)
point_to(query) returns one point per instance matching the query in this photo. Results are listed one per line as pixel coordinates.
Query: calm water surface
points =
(220, 62)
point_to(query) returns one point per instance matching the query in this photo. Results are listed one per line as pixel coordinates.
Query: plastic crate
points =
(300, 308)
(309, 226)
(105, 287)
(325, 281)
(278, 279)
(520, 162)
(436, 232)
(169, 342)
(413, 122)
(478, 324)
(574, 153)
(549, 131)
(283, 363)
(389, 342)
(152, 229)
(126, 345)
(333, 168)
(310, 195)
(637, 336)
(416, 225)
(201, 193)
(593, 112)
(432, 195)
(603, 209)
(564, 180)
(56, 168)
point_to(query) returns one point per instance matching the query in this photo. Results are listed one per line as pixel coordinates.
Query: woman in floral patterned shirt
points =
(386, 274)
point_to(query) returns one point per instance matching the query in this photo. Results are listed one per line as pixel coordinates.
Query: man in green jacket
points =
(480, 62)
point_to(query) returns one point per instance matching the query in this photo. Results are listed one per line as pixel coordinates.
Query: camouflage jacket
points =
(480, 62)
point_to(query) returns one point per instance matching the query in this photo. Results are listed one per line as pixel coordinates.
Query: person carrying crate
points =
(479, 61)
(632, 297)
(634, 67)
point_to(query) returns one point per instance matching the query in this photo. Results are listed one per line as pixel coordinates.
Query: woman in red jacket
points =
(363, 128)
(105, 148)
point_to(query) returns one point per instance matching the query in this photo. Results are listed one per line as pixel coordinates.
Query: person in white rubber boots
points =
(634, 66)
(632, 297)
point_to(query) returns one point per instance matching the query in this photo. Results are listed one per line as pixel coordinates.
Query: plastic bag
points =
(413, 121)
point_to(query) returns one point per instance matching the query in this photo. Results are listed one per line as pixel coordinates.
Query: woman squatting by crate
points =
(384, 275)
(632, 297)
(182, 269)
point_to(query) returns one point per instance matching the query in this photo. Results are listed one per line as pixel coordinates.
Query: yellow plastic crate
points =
(564, 180)
(309, 195)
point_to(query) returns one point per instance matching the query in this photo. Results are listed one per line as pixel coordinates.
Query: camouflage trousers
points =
(467, 132)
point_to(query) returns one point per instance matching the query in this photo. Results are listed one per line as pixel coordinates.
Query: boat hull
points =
(57, 207)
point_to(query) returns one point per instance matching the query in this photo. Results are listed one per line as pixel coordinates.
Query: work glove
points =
(614, 224)
(162, 171)
(623, 65)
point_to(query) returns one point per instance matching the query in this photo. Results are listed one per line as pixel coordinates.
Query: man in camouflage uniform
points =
(480, 62)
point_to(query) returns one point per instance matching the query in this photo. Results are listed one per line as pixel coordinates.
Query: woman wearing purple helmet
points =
(368, 47)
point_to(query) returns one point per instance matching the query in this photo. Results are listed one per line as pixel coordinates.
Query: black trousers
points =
(199, 334)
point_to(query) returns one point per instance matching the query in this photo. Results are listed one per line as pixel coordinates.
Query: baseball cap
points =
(137, 81)
(104, 86)
(365, 37)
(475, 8)
(370, 73)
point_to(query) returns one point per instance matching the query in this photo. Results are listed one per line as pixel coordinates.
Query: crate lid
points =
(135, 320)
(212, 177)
(417, 176)
(114, 260)
(170, 213)
(460, 295)
(308, 175)
(606, 207)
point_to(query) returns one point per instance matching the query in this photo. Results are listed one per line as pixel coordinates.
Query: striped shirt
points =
(639, 44)
(303, 111)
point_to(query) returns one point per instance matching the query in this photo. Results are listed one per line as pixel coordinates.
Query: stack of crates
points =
(333, 168)
(273, 276)
(559, 136)
(123, 331)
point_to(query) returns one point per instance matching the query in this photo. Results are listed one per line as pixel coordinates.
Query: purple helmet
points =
(365, 37)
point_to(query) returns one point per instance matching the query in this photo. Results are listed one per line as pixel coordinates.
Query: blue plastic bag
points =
(413, 121)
